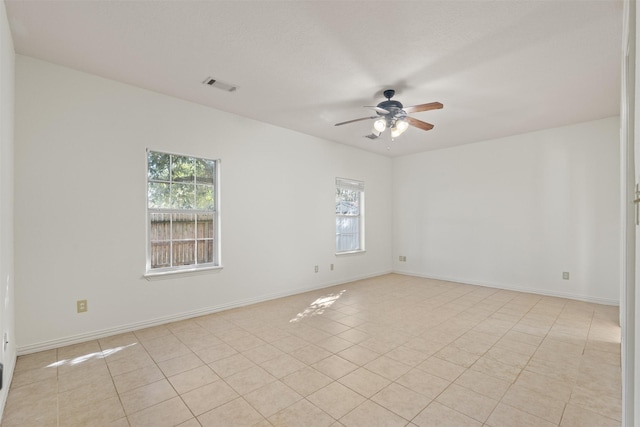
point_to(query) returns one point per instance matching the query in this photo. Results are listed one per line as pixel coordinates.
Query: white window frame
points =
(354, 185)
(216, 263)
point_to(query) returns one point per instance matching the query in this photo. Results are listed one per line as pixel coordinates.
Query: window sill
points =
(359, 251)
(157, 275)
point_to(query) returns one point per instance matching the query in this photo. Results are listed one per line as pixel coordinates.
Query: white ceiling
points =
(499, 67)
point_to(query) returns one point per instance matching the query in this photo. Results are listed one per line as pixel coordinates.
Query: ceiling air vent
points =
(220, 85)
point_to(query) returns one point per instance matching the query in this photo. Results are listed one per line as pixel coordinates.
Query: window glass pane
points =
(183, 227)
(347, 202)
(182, 196)
(159, 195)
(160, 227)
(347, 224)
(160, 254)
(205, 171)
(158, 166)
(205, 226)
(347, 242)
(204, 197)
(205, 251)
(184, 252)
(183, 169)
(160, 236)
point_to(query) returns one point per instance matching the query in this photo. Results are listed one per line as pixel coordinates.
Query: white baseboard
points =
(536, 291)
(79, 338)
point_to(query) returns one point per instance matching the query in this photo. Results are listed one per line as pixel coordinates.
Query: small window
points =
(182, 210)
(349, 215)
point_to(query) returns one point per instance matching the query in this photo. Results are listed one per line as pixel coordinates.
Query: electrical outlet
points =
(402, 258)
(565, 275)
(82, 305)
(331, 267)
(316, 268)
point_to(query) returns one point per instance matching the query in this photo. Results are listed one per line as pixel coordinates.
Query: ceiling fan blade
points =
(378, 109)
(423, 107)
(419, 123)
(356, 120)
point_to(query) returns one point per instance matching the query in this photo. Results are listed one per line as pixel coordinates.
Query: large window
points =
(182, 209)
(349, 215)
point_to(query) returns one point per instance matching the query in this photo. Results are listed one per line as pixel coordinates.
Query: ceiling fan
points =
(391, 114)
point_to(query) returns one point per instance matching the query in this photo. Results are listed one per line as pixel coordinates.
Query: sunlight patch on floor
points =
(97, 355)
(318, 306)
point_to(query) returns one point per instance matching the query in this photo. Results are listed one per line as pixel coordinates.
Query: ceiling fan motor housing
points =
(395, 111)
(390, 105)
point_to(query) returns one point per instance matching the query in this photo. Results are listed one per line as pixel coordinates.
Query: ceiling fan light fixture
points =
(380, 125)
(398, 128)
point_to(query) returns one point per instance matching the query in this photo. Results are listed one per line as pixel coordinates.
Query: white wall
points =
(7, 56)
(516, 212)
(80, 206)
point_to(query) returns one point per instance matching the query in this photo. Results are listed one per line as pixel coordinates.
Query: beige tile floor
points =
(388, 351)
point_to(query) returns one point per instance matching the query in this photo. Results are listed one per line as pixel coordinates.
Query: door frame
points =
(629, 322)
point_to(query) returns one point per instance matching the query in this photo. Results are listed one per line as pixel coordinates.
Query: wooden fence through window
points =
(180, 234)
